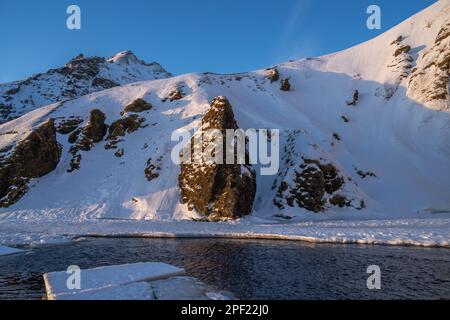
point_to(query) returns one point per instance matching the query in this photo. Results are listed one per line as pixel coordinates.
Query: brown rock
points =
(273, 75)
(138, 105)
(218, 191)
(285, 85)
(33, 157)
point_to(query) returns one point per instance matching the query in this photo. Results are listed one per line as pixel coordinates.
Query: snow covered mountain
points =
(365, 134)
(80, 76)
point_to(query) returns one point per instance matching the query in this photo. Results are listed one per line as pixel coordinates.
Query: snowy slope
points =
(80, 76)
(402, 143)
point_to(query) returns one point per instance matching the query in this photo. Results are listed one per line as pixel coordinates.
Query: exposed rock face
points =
(273, 75)
(429, 81)
(218, 191)
(399, 68)
(402, 49)
(285, 85)
(315, 184)
(67, 126)
(104, 83)
(355, 99)
(121, 127)
(138, 105)
(86, 137)
(176, 94)
(153, 168)
(96, 127)
(33, 157)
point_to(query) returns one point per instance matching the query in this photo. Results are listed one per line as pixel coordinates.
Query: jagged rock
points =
(355, 99)
(218, 191)
(125, 125)
(96, 127)
(340, 201)
(85, 138)
(429, 81)
(336, 136)
(176, 94)
(364, 174)
(312, 181)
(397, 41)
(33, 157)
(285, 85)
(273, 75)
(121, 127)
(104, 83)
(402, 49)
(152, 170)
(79, 77)
(119, 153)
(67, 126)
(315, 183)
(138, 105)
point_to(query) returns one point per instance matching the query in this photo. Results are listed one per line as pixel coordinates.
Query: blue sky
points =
(187, 36)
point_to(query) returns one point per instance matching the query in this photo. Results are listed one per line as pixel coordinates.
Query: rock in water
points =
(33, 157)
(218, 191)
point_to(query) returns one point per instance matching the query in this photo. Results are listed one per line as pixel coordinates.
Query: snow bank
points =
(419, 232)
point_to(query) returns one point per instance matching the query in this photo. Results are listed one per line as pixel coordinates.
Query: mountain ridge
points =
(80, 76)
(348, 122)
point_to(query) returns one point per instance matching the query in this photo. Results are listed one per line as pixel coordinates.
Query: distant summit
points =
(80, 76)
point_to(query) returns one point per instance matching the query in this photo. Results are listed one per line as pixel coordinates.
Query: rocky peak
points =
(218, 191)
(125, 57)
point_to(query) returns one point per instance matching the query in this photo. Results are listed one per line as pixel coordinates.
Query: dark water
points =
(249, 269)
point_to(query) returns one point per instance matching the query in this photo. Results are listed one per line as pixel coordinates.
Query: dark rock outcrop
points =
(218, 191)
(402, 49)
(312, 183)
(285, 85)
(355, 99)
(153, 169)
(138, 105)
(273, 75)
(104, 83)
(86, 137)
(121, 127)
(67, 126)
(174, 95)
(33, 157)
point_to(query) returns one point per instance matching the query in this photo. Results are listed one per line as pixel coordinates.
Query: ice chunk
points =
(132, 291)
(104, 278)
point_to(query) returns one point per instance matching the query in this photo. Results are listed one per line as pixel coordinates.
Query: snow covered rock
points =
(218, 191)
(139, 281)
(80, 76)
